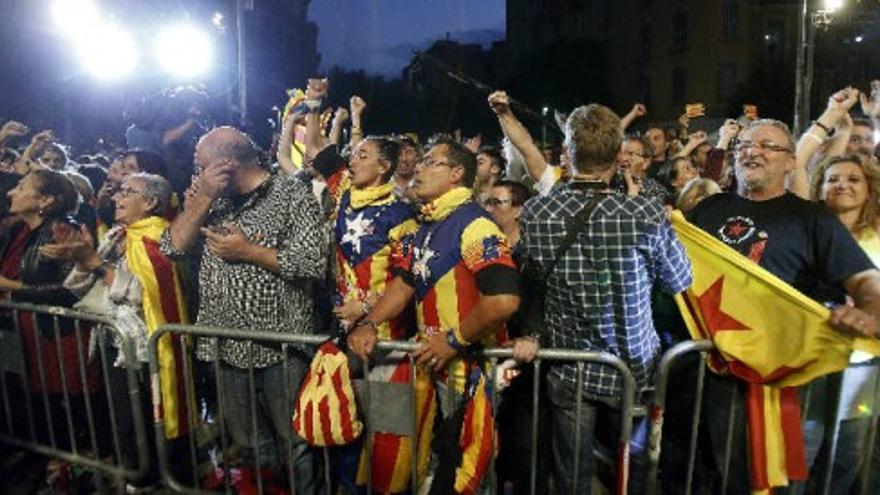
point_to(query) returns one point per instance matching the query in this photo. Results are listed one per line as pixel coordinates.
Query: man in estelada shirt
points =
(459, 271)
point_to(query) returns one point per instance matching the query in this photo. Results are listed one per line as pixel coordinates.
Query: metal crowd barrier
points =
(822, 472)
(44, 439)
(24, 363)
(285, 341)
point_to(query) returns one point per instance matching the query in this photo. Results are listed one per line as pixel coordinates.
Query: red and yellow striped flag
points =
(392, 454)
(767, 334)
(326, 413)
(163, 302)
(477, 438)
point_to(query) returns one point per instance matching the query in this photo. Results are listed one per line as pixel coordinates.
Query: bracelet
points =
(459, 344)
(828, 131)
(814, 137)
(366, 307)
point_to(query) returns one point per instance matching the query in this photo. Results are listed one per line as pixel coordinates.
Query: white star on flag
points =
(355, 228)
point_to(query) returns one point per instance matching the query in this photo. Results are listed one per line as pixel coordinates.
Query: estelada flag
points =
(765, 333)
(392, 455)
(163, 303)
(326, 413)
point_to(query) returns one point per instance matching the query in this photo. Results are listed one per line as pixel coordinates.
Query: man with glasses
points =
(460, 273)
(861, 139)
(798, 241)
(634, 162)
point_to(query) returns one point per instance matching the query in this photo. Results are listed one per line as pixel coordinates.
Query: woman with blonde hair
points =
(850, 187)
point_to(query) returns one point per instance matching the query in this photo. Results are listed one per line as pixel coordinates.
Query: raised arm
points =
(315, 141)
(518, 135)
(638, 111)
(24, 164)
(811, 141)
(694, 141)
(339, 120)
(871, 104)
(285, 143)
(358, 105)
(11, 129)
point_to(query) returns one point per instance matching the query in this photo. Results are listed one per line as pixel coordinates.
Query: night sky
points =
(379, 36)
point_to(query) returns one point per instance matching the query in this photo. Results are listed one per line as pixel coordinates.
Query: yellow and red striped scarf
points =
(163, 303)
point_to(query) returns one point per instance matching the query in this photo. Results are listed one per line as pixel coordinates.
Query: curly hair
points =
(592, 137)
(869, 217)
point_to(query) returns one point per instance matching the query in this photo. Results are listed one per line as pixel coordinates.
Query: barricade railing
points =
(55, 387)
(823, 470)
(36, 355)
(286, 343)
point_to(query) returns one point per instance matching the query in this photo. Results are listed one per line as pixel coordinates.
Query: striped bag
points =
(326, 411)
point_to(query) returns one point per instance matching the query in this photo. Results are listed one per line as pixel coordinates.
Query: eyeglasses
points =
(495, 202)
(430, 162)
(127, 192)
(633, 153)
(763, 147)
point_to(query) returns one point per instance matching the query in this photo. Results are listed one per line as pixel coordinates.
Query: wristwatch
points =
(454, 342)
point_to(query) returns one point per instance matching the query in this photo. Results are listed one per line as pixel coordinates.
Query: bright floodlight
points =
(833, 5)
(184, 51)
(107, 51)
(75, 17)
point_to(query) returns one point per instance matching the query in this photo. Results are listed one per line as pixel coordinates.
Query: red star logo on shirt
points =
(736, 229)
(710, 306)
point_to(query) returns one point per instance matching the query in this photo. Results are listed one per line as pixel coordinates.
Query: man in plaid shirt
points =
(599, 295)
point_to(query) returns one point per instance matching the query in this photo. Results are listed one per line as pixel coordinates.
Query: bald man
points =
(262, 245)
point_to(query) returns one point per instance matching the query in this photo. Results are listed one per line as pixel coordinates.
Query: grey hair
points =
(782, 126)
(157, 188)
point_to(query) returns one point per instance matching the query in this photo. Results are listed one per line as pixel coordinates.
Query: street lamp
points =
(803, 77)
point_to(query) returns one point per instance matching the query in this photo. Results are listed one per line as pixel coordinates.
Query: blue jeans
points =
(274, 409)
(563, 420)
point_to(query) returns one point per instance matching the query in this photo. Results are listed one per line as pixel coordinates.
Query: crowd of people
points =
(390, 238)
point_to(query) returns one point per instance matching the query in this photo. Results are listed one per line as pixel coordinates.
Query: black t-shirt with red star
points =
(799, 241)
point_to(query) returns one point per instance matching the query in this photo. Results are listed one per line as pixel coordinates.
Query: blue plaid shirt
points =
(599, 296)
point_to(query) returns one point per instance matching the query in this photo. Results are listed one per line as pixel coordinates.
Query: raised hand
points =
(317, 89)
(13, 128)
(358, 105)
(871, 103)
(844, 99)
(697, 138)
(639, 110)
(474, 143)
(499, 102)
(341, 115)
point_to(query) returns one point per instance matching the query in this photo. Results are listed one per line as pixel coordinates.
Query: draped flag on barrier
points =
(163, 303)
(326, 413)
(765, 333)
